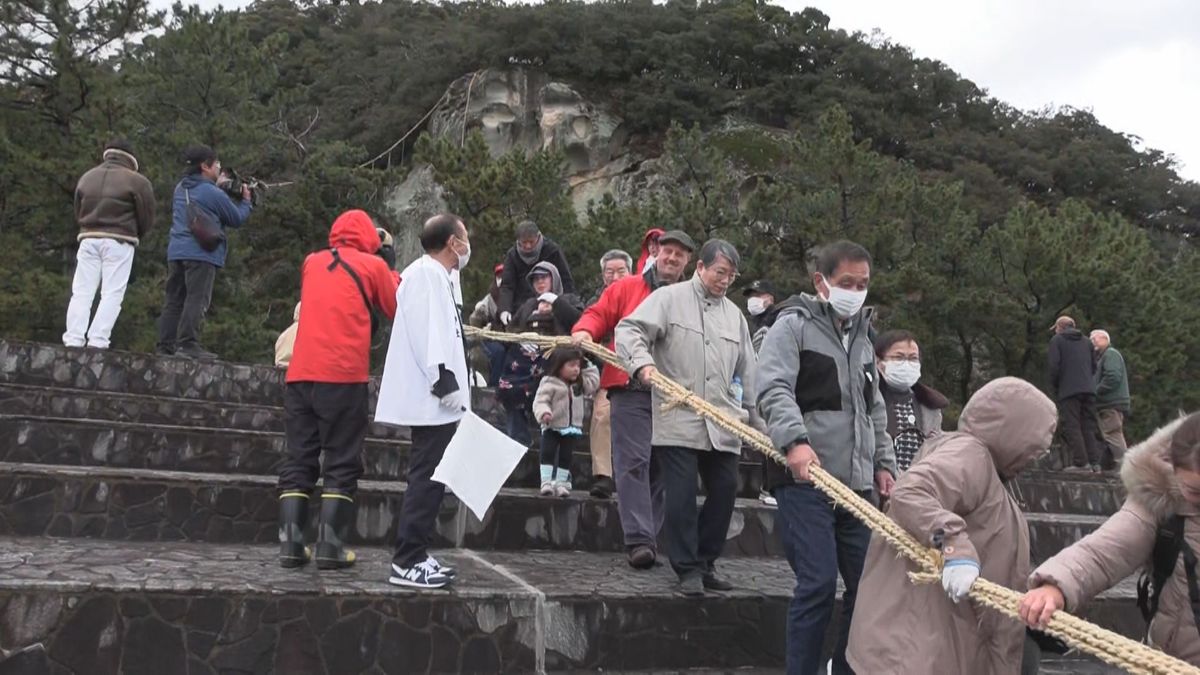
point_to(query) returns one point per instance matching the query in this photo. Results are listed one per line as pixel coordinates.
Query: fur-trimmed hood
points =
(1149, 478)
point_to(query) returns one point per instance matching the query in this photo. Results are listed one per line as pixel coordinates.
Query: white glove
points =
(505, 317)
(454, 401)
(547, 297)
(957, 577)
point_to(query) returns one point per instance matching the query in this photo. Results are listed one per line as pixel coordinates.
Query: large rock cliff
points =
(521, 109)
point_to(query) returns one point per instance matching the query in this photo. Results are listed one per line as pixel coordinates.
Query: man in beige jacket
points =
(698, 337)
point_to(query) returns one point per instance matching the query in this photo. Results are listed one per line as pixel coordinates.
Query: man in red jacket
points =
(326, 397)
(639, 488)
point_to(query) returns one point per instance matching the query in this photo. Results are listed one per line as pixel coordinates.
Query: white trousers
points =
(102, 264)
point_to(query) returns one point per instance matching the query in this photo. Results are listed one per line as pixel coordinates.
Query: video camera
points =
(232, 183)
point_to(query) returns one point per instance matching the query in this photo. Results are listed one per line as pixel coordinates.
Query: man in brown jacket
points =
(114, 206)
(1162, 481)
(954, 497)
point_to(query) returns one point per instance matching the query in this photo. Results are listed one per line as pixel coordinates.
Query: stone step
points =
(31, 401)
(47, 365)
(1049, 533)
(142, 505)
(1058, 492)
(108, 607)
(172, 447)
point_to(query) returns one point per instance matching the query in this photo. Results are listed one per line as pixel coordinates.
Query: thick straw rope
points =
(1110, 647)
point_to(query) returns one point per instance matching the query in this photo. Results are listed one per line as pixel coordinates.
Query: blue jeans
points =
(820, 541)
(495, 353)
(517, 427)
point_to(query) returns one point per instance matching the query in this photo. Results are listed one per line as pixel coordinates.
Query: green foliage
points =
(776, 131)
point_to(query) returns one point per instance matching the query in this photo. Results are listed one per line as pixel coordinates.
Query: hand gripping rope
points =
(1106, 645)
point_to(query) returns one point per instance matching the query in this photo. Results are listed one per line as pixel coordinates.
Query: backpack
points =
(1168, 544)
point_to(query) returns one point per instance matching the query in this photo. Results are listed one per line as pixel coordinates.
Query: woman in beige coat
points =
(1162, 479)
(954, 495)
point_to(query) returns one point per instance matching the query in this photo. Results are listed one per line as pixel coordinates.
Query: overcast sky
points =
(1133, 63)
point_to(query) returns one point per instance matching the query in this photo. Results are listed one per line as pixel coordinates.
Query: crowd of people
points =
(809, 370)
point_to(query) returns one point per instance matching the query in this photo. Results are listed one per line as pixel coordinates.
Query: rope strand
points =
(1105, 645)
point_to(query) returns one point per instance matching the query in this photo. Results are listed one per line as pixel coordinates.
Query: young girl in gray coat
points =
(559, 409)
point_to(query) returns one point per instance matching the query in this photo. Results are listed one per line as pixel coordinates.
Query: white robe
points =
(427, 332)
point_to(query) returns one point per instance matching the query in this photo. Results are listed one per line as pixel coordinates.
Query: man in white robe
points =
(425, 387)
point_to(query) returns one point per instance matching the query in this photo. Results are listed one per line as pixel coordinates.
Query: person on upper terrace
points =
(532, 247)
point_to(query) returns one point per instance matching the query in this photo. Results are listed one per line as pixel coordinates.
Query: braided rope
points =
(1106, 645)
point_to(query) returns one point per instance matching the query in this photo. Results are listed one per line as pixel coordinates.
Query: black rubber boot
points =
(293, 518)
(337, 515)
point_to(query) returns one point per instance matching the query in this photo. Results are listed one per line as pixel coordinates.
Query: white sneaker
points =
(562, 489)
(547, 488)
(766, 498)
(446, 571)
(421, 575)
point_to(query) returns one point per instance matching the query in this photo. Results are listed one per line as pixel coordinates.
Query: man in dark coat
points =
(532, 247)
(1072, 370)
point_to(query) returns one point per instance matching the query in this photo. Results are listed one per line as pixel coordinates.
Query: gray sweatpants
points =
(639, 485)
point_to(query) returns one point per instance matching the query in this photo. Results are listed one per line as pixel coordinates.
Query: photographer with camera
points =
(201, 212)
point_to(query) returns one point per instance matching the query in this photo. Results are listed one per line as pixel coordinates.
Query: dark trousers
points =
(695, 537)
(328, 418)
(189, 292)
(517, 424)
(1077, 416)
(423, 498)
(639, 480)
(495, 353)
(820, 542)
(556, 449)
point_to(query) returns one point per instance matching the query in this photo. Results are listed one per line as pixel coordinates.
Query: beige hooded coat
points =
(956, 486)
(1124, 543)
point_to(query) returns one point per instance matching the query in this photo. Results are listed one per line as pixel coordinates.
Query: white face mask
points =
(844, 301)
(756, 306)
(902, 374)
(464, 258)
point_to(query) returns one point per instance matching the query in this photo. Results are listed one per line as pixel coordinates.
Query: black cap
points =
(761, 286)
(677, 237)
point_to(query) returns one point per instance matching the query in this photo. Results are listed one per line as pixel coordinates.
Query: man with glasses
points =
(698, 337)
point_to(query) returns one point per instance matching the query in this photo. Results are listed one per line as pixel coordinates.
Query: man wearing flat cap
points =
(1072, 371)
(639, 490)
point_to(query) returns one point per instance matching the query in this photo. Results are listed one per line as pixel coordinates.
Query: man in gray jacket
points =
(699, 338)
(819, 394)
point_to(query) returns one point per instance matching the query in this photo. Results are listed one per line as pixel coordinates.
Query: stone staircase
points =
(138, 516)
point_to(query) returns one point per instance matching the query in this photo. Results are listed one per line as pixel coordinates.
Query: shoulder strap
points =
(339, 262)
(1168, 543)
(1189, 567)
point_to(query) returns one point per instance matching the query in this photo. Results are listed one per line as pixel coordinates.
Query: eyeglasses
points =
(731, 275)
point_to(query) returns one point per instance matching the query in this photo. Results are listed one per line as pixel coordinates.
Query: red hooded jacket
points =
(600, 320)
(654, 233)
(333, 340)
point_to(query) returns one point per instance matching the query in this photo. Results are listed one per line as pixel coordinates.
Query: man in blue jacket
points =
(191, 269)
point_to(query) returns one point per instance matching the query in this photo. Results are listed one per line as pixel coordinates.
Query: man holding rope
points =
(639, 487)
(819, 395)
(699, 338)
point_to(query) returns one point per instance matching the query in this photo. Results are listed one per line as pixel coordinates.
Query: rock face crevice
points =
(521, 109)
